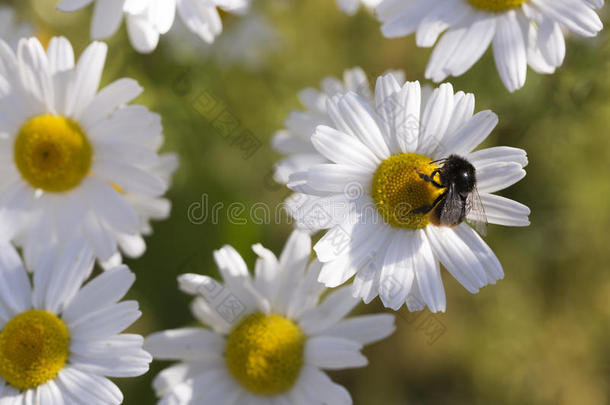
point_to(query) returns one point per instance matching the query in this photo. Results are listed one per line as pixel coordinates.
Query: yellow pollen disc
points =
(52, 153)
(34, 347)
(265, 353)
(496, 5)
(398, 189)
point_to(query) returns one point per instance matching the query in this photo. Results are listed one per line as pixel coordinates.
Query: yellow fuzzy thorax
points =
(398, 189)
(34, 347)
(52, 153)
(265, 353)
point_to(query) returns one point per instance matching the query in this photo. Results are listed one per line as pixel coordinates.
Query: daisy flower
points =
(351, 6)
(12, 30)
(521, 32)
(76, 160)
(148, 19)
(60, 340)
(269, 337)
(384, 166)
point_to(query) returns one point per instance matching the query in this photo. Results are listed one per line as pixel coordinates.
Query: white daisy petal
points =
(509, 52)
(61, 55)
(342, 148)
(397, 274)
(107, 17)
(87, 76)
(503, 211)
(171, 376)
(15, 291)
(330, 353)
(457, 258)
(484, 254)
(118, 356)
(435, 119)
(574, 15)
(89, 388)
(363, 329)
(336, 306)
(291, 268)
(428, 275)
(358, 116)
(409, 128)
(191, 344)
(72, 5)
(489, 156)
(235, 273)
(323, 389)
(102, 291)
(109, 99)
(107, 321)
(71, 267)
(499, 176)
(470, 134)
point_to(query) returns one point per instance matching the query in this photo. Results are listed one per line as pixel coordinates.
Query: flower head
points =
(394, 169)
(521, 32)
(79, 163)
(270, 335)
(60, 340)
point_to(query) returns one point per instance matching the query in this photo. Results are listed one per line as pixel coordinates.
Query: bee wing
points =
(475, 212)
(453, 207)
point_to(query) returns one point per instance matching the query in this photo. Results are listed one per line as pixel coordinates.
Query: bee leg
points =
(430, 179)
(424, 209)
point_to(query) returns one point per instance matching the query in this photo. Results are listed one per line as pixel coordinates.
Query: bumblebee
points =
(460, 199)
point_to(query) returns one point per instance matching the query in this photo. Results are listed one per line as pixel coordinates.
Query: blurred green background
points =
(540, 336)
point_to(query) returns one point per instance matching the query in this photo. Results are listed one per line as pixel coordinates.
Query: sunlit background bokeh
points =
(540, 336)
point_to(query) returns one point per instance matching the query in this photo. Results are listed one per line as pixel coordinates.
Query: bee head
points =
(459, 172)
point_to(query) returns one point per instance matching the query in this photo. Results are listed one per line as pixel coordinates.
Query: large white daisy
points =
(270, 338)
(521, 32)
(379, 156)
(76, 161)
(11, 29)
(148, 19)
(60, 340)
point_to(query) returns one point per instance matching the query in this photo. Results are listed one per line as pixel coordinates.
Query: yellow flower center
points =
(398, 189)
(52, 153)
(265, 353)
(34, 347)
(496, 5)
